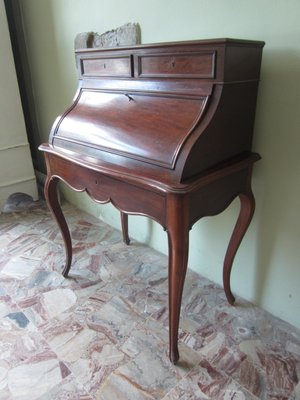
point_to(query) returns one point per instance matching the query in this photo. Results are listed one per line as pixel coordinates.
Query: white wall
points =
(266, 270)
(16, 171)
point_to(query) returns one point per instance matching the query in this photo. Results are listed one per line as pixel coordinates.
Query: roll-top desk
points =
(165, 131)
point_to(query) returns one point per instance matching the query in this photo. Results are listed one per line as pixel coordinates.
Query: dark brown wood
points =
(51, 196)
(124, 223)
(178, 236)
(245, 216)
(164, 131)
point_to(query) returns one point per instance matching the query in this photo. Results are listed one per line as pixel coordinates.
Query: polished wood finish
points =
(164, 131)
(124, 224)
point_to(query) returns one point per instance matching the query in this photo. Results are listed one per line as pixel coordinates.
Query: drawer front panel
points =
(104, 188)
(189, 65)
(107, 66)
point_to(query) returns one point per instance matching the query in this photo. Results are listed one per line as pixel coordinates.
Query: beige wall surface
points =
(16, 170)
(267, 267)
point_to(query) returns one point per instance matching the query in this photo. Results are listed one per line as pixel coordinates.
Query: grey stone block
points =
(125, 35)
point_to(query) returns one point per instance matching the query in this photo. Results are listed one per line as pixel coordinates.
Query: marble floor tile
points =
(149, 375)
(35, 378)
(68, 389)
(103, 333)
(206, 382)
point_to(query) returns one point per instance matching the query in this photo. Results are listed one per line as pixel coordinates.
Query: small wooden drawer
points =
(188, 65)
(107, 66)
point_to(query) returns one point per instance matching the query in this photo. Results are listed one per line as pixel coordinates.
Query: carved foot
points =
(174, 355)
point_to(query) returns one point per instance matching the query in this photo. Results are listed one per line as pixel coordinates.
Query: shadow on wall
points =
(278, 195)
(36, 97)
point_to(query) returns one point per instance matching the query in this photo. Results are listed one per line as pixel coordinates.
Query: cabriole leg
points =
(178, 239)
(245, 216)
(51, 196)
(124, 223)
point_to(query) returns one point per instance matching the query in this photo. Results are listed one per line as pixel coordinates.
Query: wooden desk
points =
(164, 131)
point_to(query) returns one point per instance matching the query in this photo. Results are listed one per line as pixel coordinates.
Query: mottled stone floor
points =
(102, 333)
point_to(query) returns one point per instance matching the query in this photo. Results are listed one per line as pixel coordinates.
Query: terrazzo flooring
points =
(103, 332)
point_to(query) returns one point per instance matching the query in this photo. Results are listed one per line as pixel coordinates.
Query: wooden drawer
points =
(107, 66)
(105, 188)
(188, 65)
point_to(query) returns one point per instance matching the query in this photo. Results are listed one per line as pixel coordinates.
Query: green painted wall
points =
(266, 269)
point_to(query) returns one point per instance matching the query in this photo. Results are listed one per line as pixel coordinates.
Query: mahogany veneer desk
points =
(162, 130)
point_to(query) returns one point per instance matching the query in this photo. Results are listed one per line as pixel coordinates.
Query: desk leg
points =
(244, 219)
(178, 239)
(124, 222)
(54, 206)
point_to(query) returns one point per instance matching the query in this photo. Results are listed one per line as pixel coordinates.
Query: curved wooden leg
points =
(124, 223)
(245, 216)
(54, 206)
(178, 239)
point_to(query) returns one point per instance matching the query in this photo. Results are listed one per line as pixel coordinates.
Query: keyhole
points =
(129, 97)
(104, 66)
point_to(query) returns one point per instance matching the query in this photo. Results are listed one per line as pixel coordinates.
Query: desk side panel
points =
(228, 132)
